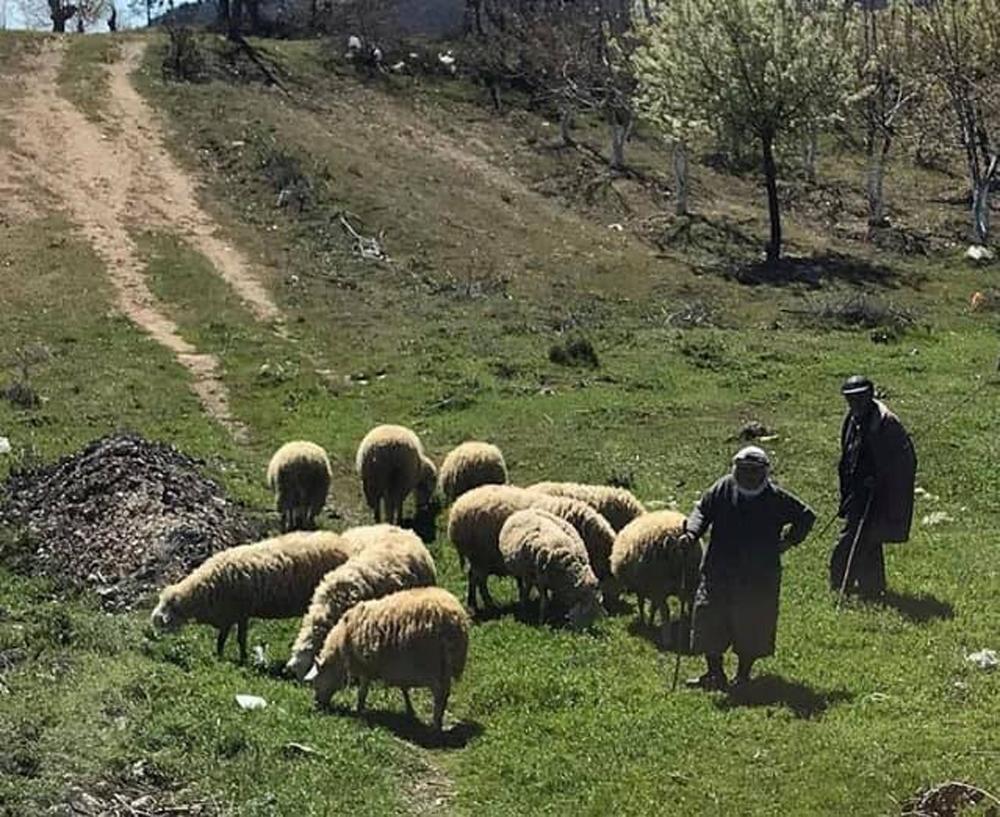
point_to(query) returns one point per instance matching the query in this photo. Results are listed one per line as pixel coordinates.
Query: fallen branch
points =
(368, 247)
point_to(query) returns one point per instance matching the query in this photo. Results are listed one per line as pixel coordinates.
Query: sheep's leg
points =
(408, 702)
(241, 637)
(664, 609)
(484, 592)
(220, 641)
(523, 594)
(642, 609)
(362, 694)
(377, 509)
(471, 594)
(440, 702)
(542, 604)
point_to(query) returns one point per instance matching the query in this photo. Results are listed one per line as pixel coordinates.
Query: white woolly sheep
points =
(470, 465)
(474, 524)
(477, 516)
(648, 560)
(541, 550)
(413, 638)
(618, 505)
(274, 578)
(299, 474)
(392, 464)
(391, 560)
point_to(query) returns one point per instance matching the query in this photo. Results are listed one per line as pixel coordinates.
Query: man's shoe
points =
(709, 681)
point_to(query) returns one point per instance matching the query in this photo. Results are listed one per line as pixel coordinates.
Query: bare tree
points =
(960, 48)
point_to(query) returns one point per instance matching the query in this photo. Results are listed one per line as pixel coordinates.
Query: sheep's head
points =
(585, 612)
(300, 663)
(427, 483)
(327, 678)
(167, 616)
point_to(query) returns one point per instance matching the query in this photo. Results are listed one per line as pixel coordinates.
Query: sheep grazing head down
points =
(585, 612)
(330, 676)
(300, 663)
(427, 484)
(167, 616)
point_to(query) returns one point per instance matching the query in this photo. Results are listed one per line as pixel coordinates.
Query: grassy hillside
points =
(500, 247)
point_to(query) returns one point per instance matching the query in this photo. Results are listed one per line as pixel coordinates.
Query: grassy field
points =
(495, 258)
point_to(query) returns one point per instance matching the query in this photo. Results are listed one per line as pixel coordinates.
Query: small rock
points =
(984, 659)
(248, 702)
(979, 254)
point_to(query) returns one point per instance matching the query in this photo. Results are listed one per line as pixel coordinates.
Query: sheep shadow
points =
(802, 700)
(813, 271)
(419, 733)
(484, 614)
(678, 638)
(920, 609)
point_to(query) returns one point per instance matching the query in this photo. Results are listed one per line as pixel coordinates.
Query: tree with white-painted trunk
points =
(960, 52)
(771, 67)
(886, 91)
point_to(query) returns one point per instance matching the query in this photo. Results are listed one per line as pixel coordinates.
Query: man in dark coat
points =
(877, 471)
(753, 522)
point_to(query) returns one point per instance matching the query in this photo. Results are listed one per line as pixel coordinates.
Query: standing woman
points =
(753, 522)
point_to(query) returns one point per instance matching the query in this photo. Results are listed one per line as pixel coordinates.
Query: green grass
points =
(859, 709)
(83, 79)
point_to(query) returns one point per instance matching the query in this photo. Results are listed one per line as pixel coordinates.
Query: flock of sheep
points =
(367, 597)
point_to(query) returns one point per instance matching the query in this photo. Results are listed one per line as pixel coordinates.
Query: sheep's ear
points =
(313, 672)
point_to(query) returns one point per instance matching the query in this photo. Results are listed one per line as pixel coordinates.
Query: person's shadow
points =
(918, 609)
(801, 699)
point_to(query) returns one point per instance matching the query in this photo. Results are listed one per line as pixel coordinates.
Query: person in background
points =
(877, 471)
(753, 522)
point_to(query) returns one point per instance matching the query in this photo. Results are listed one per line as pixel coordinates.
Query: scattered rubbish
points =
(616, 227)
(925, 494)
(936, 518)
(977, 301)
(979, 254)
(984, 659)
(250, 702)
(260, 656)
(291, 749)
(4, 445)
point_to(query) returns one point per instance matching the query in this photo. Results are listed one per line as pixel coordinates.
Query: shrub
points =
(575, 352)
(184, 60)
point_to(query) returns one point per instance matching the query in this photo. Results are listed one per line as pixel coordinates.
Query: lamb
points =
(299, 474)
(477, 516)
(414, 638)
(617, 505)
(395, 559)
(392, 464)
(274, 578)
(648, 560)
(541, 550)
(470, 465)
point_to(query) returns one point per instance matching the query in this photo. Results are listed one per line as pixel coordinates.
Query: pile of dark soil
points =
(124, 516)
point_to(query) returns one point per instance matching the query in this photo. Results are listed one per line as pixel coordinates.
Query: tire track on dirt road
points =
(110, 184)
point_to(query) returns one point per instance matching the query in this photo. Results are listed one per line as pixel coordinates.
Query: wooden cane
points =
(854, 546)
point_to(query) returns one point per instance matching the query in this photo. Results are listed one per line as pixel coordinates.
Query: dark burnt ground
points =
(123, 516)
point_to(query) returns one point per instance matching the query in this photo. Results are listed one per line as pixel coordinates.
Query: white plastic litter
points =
(936, 518)
(4, 445)
(984, 659)
(259, 656)
(250, 702)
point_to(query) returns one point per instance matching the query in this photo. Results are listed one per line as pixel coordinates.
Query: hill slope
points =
(499, 247)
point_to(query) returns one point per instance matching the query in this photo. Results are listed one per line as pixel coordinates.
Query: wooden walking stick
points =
(854, 547)
(677, 647)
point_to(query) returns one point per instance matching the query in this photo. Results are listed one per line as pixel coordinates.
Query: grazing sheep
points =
(541, 550)
(648, 560)
(474, 525)
(299, 474)
(470, 465)
(594, 530)
(413, 638)
(394, 560)
(274, 578)
(617, 505)
(392, 464)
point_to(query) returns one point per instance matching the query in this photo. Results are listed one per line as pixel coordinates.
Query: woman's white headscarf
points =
(757, 456)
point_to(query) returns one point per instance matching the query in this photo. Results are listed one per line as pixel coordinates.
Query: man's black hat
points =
(857, 384)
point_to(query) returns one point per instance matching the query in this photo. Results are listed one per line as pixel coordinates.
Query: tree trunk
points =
(773, 207)
(618, 134)
(680, 178)
(235, 19)
(565, 123)
(811, 149)
(981, 211)
(874, 189)
(113, 20)
(79, 25)
(223, 18)
(253, 8)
